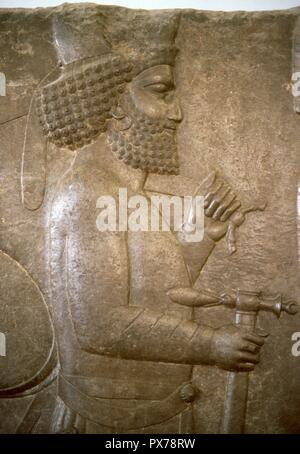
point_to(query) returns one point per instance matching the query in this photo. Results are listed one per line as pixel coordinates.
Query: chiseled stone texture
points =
(233, 80)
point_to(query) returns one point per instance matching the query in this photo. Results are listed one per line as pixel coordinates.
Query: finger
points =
(226, 204)
(212, 208)
(245, 357)
(230, 211)
(219, 211)
(245, 367)
(224, 192)
(223, 206)
(258, 340)
(231, 196)
(208, 198)
(251, 348)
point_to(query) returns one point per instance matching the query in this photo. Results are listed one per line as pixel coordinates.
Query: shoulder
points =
(75, 201)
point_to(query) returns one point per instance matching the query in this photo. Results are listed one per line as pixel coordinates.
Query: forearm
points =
(134, 333)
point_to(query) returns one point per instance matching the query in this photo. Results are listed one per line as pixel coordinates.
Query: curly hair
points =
(74, 109)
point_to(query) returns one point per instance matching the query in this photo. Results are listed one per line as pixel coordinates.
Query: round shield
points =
(26, 331)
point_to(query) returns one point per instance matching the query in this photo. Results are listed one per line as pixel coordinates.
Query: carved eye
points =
(159, 88)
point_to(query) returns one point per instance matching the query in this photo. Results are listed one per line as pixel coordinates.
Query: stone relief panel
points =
(109, 324)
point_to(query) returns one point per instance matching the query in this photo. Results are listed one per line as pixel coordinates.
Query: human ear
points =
(122, 121)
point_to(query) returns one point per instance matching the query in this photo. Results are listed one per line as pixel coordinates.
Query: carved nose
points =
(175, 112)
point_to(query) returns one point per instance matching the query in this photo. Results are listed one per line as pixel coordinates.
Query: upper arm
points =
(89, 269)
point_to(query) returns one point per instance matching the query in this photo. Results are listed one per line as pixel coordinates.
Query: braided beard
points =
(147, 145)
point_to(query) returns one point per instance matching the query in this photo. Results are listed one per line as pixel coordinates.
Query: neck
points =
(99, 155)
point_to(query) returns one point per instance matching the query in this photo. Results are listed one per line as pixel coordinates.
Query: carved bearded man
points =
(126, 351)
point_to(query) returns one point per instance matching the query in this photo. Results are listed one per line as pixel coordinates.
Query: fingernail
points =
(261, 332)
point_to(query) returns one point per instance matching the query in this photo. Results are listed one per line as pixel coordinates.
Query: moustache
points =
(169, 124)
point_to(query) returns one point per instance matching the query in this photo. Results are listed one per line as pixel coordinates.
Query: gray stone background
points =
(234, 81)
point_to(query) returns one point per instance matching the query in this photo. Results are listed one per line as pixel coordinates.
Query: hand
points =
(235, 349)
(220, 204)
